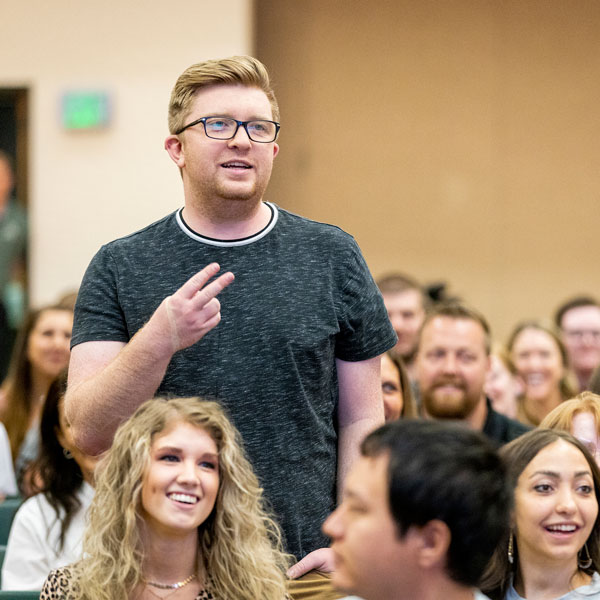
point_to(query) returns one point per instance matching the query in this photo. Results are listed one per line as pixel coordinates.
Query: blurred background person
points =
(540, 359)
(398, 400)
(502, 384)
(580, 417)
(41, 352)
(452, 365)
(552, 551)
(47, 531)
(578, 321)
(13, 243)
(405, 301)
(8, 484)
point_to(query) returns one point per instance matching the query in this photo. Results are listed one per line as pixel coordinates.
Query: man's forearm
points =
(97, 405)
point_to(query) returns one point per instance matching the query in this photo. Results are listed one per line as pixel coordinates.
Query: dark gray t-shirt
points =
(302, 297)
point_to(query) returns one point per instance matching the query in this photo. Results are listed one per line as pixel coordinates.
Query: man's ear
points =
(435, 539)
(174, 147)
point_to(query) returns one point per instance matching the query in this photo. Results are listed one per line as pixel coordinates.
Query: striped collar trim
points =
(228, 243)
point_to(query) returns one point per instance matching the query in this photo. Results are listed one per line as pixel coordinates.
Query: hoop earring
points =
(584, 563)
(511, 549)
(67, 454)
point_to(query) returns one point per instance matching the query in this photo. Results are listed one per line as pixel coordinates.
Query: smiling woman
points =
(553, 548)
(178, 513)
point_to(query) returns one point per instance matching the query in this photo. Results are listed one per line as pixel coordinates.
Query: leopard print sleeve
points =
(59, 586)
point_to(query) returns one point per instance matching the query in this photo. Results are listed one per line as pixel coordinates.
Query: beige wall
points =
(456, 140)
(87, 188)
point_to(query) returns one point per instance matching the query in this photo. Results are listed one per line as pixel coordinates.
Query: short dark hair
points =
(575, 302)
(451, 473)
(457, 310)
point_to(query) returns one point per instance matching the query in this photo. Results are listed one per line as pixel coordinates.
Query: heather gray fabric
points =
(302, 296)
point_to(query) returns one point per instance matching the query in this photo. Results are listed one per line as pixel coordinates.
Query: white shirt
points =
(8, 484)
(32, 549)
(589, 591)
(477, 595)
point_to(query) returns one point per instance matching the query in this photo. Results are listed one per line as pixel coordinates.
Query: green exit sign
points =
(85, 110)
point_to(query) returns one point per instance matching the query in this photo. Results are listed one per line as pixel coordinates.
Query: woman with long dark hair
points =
(47, 531)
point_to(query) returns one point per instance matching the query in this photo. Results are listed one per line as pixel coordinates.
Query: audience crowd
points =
(482, 483)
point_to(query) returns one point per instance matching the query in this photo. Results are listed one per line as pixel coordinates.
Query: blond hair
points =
(244, 70)
(239, 543)
(562, 416)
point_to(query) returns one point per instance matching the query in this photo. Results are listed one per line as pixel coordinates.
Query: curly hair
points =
(239, 542)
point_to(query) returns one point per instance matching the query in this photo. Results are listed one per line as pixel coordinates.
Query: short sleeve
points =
(98, 315)
(365, 329)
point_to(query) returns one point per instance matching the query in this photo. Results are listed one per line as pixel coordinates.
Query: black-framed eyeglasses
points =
(225, 128)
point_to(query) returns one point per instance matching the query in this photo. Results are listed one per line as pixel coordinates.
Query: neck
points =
(536, 409)
(583, 378)
(168, 559)
(442, 588)
(227, 220)
(537, 580)
(476, 420)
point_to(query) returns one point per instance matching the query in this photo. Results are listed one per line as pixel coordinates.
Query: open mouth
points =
(235, 165)
(183, 498)
(562, 528)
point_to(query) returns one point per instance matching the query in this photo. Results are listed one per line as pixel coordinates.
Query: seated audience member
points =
(452, 365)
(541, 361)
(580, 417)
(553, 549)
(422, 512)
(41, 352)
(177, 509)
(398, 400)
(502, 385)
(578, 321)
(8, 484)
(405, 302)
(47, 531)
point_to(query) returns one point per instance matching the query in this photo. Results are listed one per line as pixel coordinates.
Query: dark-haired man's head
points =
(578, 321)
(423, 509)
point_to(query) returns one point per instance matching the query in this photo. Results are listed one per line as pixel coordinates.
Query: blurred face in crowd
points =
(555, 506)
(585, 429)
(538, 361)
(6, 181)
(452, 365)
(406, 313)
(502, 387)
(48, 344)
(391, 389)
(371, 560)
(581, 336)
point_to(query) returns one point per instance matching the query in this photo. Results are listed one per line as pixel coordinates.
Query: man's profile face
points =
(371, 561)
(236, 169)
(406, 313)
(581, 336)
(452, 364)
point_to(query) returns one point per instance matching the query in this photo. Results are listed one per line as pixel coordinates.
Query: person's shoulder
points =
(311, 227)
(153, 230)
(59, 585)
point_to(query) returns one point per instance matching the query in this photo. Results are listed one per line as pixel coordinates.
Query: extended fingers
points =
(198, 281)
(209, 292)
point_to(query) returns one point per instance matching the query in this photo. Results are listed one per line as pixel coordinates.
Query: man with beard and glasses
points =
(452, 362)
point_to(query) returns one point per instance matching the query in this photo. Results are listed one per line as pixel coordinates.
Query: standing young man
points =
(291, 347)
